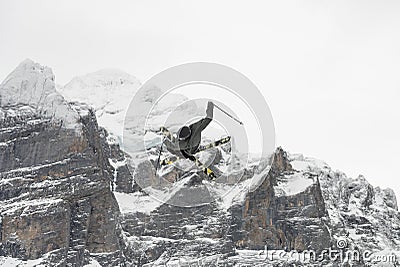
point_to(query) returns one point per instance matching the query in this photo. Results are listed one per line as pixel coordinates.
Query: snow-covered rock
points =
(366, 217)
(55, 196)
(108, 92)
(33, 85)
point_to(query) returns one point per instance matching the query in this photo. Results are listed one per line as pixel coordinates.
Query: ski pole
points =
(229, 115)
(159, 156)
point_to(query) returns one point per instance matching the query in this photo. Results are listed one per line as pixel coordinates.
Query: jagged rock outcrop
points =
(54, 179)
(365, 216)
(281, 222)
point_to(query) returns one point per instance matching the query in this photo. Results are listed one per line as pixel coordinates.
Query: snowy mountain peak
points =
(108, 92)
(109, 78)
(33, 84)
(29, 83)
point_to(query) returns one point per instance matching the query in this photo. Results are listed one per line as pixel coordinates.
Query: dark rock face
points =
(280, 222)
(122, 178)
(55, 191)
(177, 231)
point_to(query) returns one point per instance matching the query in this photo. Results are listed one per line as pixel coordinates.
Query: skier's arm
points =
(210, 110)
(203, 123)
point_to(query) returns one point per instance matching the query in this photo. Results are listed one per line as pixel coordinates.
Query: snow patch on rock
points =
(292, 184)
(136, 202)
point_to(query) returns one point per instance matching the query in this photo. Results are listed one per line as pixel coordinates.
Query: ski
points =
(214, 144)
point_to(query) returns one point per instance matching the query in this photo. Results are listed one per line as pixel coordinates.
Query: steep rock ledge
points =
(55, 193)
(54, 179)
(280, 222)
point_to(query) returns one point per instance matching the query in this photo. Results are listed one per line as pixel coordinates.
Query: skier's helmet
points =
(184, 133)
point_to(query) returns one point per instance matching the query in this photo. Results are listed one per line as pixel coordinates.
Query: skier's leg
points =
(210, 173)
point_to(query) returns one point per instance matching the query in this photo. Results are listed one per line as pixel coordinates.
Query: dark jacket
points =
(191, 144)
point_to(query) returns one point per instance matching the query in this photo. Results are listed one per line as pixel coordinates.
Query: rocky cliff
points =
(54, 179)
(292, 222)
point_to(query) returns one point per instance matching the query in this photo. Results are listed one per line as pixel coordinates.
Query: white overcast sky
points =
(330, 70)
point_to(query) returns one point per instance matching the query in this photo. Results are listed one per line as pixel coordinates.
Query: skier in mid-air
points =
(186, 142)
(188, 138)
